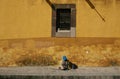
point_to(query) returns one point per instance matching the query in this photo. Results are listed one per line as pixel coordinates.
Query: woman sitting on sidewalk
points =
(67, 65)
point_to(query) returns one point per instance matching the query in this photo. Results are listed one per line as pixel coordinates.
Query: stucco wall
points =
(89, 24)
(24, 19)
(32, 18)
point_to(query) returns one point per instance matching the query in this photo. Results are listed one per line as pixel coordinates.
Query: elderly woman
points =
(66, 64)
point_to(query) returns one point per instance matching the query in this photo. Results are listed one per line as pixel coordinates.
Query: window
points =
(64, 20)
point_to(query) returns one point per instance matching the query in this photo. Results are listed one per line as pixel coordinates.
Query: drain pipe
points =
(51, 4)
(93, 7)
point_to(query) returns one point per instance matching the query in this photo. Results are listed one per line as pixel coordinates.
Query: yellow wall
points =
(24, 19)
(32, 19)
(89, 24)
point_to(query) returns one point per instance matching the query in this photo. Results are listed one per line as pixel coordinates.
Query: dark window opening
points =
(63, 19)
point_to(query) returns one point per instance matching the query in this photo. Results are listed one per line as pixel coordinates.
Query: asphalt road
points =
(51, 71)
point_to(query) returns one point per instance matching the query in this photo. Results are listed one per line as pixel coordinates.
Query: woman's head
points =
(64, 58)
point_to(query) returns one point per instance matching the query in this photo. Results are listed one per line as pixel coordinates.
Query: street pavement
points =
(53, 70)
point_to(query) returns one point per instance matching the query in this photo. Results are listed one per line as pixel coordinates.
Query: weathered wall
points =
(89, 24)
(24, 19)
(32, 18)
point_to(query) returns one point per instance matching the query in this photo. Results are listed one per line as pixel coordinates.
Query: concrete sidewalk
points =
(52, 71)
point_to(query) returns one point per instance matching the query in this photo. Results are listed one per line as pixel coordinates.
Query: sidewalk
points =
(53, 71)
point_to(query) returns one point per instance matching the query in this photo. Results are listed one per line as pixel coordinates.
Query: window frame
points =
(73, 19)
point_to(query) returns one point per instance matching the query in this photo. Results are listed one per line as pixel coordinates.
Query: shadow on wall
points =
(48, 51)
